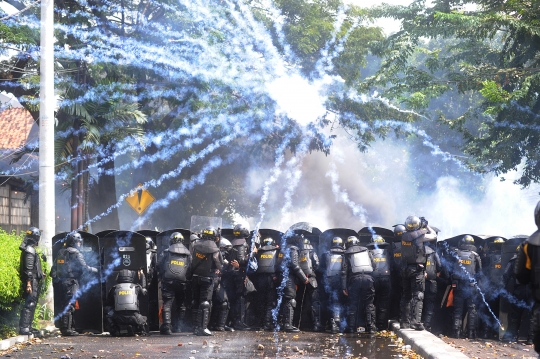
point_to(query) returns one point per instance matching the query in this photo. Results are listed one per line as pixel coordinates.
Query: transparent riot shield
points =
(151, 280)
(198, 223)
(88, 314)
(123, 250)
(508, 250)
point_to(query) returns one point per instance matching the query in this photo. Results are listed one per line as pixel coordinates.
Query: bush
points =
(10, 284)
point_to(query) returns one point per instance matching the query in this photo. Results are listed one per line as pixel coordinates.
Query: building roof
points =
(15, 126)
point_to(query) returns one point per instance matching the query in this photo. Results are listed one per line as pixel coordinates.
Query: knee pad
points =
(31, 304)
(293, 303)
(225, 305)
(204, 305)
(420, 296)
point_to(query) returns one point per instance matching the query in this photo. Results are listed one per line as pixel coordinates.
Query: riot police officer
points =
(396, 271)
(493, 275)
(238, 256)
(467, 266)
(357, 284)
(265, 279)
(413, 261)
(292, 277)
(69, 265)
(207, 264)
(173, 267)
(433, 270)
(519, 307)
(331, 265)
(309, 263)
(382, 281)
(31, 275)
(526, 271)
(122, 306)
(222, 288)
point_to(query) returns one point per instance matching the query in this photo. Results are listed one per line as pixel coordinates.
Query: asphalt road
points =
(223, 345)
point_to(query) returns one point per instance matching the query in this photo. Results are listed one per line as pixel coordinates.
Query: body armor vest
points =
(125, 297)
(467, 263)
(238, 251)
(176, 263)
(396, 254)
(267, 259)
(203, 264)
(63, 264)
(382, 265)
(30, 263)
(334, 260)
(411, 252)
(305, 263)
(359, 260)
(431, 266)
(496, 270)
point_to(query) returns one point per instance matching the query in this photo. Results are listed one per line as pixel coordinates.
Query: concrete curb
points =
(8, 343)
(426, 344)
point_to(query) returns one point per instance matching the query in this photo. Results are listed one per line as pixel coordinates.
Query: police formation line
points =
(235, 284)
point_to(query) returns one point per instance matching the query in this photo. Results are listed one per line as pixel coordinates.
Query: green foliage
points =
(10, 284)
(7, 331)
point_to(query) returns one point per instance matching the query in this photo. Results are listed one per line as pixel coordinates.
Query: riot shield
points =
(89, 304)
(227, 233)
(366, 233)
(151, 281)
(508, 250)
(104, 233)
(198, 223)
(162, 244)
(308, 231)
(123, 250)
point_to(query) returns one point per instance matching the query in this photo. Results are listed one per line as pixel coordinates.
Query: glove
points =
(43, 257)
(144, 291)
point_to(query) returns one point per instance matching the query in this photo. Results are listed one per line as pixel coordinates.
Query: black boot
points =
(240, 323)
(405, 314)
(221, 325)
(204, 319)
(67, 323)
(472, 323)
(456, 329)
(288, 315)
(268, 324)
(25, 322)
(370, 320)
(315, 316)
(165, 328)
(416, 316)
(351, 322)
(334, 325)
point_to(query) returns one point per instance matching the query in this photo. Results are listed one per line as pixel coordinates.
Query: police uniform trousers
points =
(220, 304)
(465, 295)
(173, 290)
(266, 296)
(336, 299)
(235, 290)
(536, 326)
(360, 301)
(68, 288)
(383, 292)
(413, 284)
(29, 307)
(518, 310)
(430, 296)
(130, 317)
(203, 288)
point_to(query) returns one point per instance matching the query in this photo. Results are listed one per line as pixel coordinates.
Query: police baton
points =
(302, 305)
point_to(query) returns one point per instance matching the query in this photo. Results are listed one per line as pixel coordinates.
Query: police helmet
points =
(73, 238)
(537, 215)
(306, 241)
(241, 231)
(225, 244)
(377, 239)
(352, 241)
(268, 241)
(149, 243)
(176, 237)
(495, 245)
(125, 276)
(467, 243)
(399, 230)
(33, 235)
(412, 223)
(337, 242)
(210, 233)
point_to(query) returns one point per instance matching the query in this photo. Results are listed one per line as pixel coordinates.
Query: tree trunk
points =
(101, 197)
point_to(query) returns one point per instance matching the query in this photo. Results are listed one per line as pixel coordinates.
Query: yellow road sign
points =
(140, 200)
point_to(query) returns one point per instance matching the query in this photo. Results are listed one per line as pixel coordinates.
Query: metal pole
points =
(47, 101)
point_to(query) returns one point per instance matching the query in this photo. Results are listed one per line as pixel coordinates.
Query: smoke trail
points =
(343, 196)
